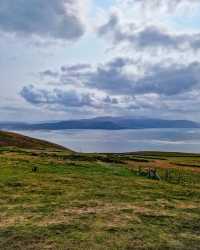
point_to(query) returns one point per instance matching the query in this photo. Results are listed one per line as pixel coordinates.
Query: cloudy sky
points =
(64, 59)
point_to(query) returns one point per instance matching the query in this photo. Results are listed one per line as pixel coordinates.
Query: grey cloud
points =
(34, 96)
(49, 73)
(111, 100)
(70, 74)
(61, 97)
(171, 80)
(112, 29)
(111, 24)
(57, 19)
(154, 37)
(73, 74)
(110, 87)
(150, 37)
(113, 78)
(70, 102)
(75, 67)
(160, 79)
(109, 77)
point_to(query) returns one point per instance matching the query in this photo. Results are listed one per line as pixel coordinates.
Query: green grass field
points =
(98, 201)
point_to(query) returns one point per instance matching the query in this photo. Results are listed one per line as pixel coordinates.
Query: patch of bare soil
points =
(161, 164)
(168, 165)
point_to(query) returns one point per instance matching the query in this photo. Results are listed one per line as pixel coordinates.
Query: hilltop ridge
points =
(10, 139)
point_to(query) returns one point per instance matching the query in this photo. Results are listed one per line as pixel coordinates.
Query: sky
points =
(71, 59)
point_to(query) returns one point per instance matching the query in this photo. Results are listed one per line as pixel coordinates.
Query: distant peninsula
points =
(104, 123)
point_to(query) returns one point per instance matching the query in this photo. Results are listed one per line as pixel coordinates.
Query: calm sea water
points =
(182, 140)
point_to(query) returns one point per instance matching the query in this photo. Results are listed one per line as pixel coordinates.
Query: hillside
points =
(10, 139)
(96, 201)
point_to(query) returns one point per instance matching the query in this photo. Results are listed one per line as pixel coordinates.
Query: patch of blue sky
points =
(187, 22)
(89, 49)
(26, 61)
(104, 3)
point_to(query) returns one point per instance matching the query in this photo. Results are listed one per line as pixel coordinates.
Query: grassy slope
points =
(15, 140)
(94, 202)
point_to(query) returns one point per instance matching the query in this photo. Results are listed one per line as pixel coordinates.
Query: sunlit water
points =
(182, 140)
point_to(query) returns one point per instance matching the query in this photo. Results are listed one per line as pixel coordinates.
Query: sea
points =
(119, 141)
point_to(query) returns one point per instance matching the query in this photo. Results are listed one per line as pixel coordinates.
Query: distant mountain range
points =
(106, 123)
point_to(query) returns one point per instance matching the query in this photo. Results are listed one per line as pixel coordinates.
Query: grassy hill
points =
(98, 201)
(10, 139)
